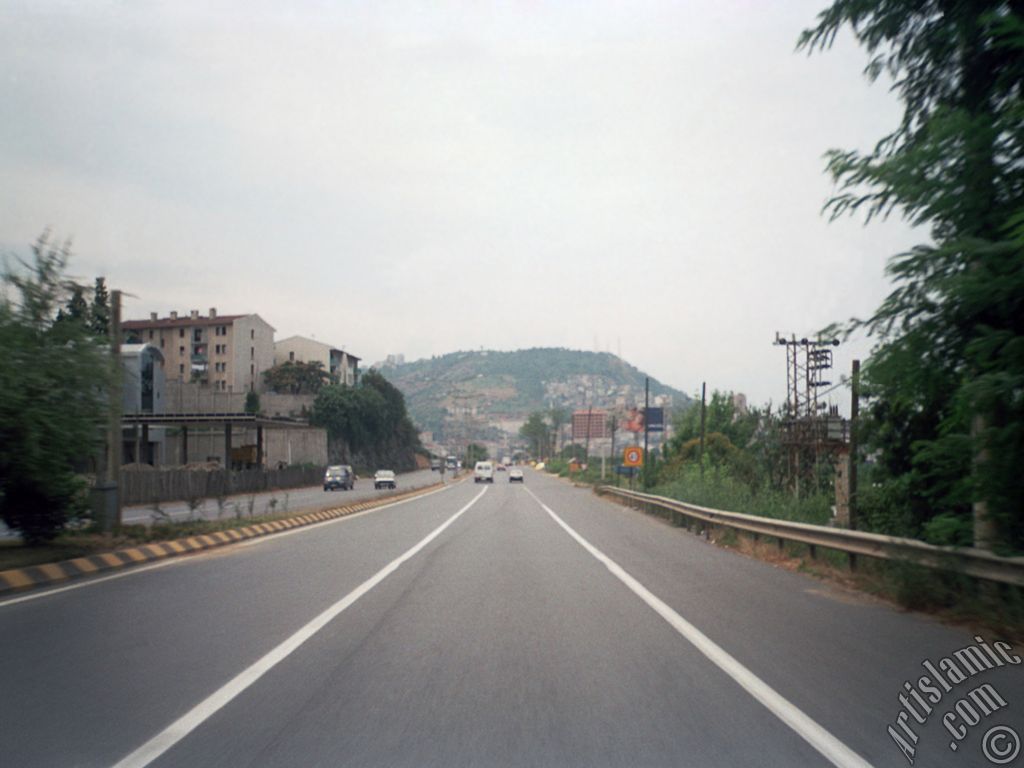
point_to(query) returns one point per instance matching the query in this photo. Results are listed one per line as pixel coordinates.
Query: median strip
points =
(17, 579)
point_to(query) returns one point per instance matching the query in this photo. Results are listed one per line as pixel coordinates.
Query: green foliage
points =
(252, 402)
(474, 453)
(99, 312)
(367, 425)
(297, 377)
(573, 451)
(557, 417)
(538, 433)
(718, 487)
(946, 380)
(949, 530)
(721, 417)
(54, 382)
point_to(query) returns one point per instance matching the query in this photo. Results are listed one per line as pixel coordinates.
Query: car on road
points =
(515, 475)
(435, 465)
(483, 472)
(384, 478)
(339, 476)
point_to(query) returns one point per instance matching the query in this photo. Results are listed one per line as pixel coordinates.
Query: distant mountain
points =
(486, 392)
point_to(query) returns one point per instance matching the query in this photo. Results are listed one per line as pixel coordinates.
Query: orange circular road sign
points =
(632, 456)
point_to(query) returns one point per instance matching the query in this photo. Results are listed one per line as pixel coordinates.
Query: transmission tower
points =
(806, 428)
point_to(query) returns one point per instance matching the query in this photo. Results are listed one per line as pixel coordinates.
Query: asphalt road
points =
(291, 499)
(498, 625)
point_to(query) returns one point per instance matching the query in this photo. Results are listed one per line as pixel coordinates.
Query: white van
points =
(483, 472)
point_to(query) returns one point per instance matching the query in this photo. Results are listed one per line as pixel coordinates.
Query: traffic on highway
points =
(505, 625)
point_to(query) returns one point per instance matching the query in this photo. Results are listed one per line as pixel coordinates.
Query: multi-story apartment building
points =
(227, 352)
(343, 366)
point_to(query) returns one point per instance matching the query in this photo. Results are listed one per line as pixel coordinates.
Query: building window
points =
(150, 335)
(291, 357)
(181, 351)
(181, 333)
(252, 353)
(161, 342)
(252, 370)
(181, 368)
(252, 333)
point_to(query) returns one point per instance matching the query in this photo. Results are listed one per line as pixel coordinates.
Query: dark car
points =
(340, 476)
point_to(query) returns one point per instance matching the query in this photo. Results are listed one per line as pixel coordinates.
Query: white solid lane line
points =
(828, 745)
(202, 711)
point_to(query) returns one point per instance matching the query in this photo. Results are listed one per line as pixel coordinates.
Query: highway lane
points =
(289, 499)
(503, 641)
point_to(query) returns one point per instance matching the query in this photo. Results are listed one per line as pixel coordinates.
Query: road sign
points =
(655, 419)
(632, 456)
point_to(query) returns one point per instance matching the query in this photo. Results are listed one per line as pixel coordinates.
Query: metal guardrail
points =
(978, 563)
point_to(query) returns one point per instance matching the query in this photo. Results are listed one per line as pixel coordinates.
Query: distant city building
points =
(227, 352)
(142, 387)
(142, 392)
(341, 365)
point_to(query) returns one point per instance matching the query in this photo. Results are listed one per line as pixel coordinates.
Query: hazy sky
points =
(419, 178)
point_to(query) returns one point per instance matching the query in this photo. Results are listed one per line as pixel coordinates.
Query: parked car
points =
(384, 478)
(339, 476)
(483, 472)
(515, 475)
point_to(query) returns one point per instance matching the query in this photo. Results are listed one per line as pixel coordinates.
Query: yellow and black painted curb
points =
(42, 575)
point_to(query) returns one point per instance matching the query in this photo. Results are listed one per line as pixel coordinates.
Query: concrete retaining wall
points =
(148, 486)
(303, 445)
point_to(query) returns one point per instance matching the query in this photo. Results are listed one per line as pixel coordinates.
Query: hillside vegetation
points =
(512, 384)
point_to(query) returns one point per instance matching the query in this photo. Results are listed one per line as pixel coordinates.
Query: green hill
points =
(480, 391)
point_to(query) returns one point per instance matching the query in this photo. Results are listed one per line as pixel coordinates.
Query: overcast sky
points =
(417, 178)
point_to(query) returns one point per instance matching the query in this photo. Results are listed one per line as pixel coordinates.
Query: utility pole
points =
(611, 426)
(851, 474)
(586, 450)
(109, 492)
(703, 415)
(647, 398)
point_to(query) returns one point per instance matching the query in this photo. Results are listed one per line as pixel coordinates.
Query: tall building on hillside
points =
(226, 352)
(343, 366)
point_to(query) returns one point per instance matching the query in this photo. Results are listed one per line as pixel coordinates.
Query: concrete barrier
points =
(147, 486)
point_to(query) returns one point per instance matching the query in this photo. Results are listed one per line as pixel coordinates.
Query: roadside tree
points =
(945, 380)
(54, 382)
